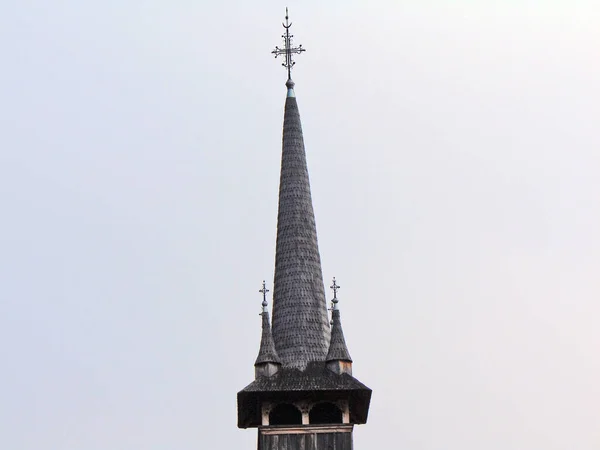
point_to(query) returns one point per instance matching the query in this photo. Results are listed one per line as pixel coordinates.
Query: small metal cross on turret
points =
(334, 287)
(288, 50)
(264, 291)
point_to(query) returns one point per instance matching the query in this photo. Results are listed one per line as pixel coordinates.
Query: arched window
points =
(325, 413)
(285, 414)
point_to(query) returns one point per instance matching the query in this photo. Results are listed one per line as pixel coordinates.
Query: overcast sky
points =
(454, 156)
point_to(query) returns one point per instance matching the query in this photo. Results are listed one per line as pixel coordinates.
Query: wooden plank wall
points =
(306, 441)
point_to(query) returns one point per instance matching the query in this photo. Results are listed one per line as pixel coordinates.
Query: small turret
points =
(338, 358)
(267, 362)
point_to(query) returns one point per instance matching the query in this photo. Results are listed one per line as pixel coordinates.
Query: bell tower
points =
(304, 396)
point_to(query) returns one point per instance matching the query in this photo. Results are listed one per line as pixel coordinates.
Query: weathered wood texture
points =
(306, 438)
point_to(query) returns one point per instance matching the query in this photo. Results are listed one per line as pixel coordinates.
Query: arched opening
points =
(285, 414)
(325, 413)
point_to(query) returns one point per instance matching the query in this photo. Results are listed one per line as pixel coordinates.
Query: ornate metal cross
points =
(264, 291)
(335, 287)
(288, 50)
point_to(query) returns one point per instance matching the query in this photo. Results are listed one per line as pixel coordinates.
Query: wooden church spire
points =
(304, 396)
(300, 323)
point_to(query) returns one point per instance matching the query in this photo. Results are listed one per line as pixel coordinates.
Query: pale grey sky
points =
(454, 156)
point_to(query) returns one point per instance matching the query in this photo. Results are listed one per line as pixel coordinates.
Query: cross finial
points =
(288, 49)
(264, 291)
(335, 287)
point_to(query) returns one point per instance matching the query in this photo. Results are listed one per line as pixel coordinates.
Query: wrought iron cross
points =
(335, 301)
(335, 287)
(288, 50)
(264, 291)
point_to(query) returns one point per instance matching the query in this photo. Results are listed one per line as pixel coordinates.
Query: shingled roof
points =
(300, 324)
(267, 352)
(338, 351)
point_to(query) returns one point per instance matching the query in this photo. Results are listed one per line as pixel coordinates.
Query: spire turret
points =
(338, 358)
(267, 363)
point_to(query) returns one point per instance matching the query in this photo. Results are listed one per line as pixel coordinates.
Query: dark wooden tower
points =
(304, 396)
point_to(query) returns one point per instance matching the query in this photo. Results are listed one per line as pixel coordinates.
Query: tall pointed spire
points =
(310, 399)
(300, 324)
